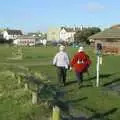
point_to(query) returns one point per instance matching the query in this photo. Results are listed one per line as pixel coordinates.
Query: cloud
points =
(93, 7)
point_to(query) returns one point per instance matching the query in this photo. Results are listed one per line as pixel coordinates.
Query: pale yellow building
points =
(53, 34)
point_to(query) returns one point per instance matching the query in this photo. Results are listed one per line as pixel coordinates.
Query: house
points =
(109, 39)
(11, 34)
(25, 40)
(67, 34)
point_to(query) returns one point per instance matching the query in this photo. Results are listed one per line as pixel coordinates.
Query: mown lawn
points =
(102, 103)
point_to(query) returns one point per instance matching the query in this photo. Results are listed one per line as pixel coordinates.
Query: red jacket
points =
(80, 62)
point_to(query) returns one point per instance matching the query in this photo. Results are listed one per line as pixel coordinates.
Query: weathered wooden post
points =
(19, 80)
(35, 93)
(26, 86)
(34, 87)
(56, 113)
(34, 97)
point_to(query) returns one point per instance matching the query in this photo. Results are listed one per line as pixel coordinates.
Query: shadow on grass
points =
(90, 79)
(101, 76)
(96, 115)
(65, 105)
(71, 82)
(113, 81)
(75, 118)
(77, 100)
(84, 86)
(102, 116)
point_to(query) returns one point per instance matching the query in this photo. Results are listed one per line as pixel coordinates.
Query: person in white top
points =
(61, 61)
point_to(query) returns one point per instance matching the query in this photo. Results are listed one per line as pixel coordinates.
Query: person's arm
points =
(88, 61)
(74, 61)
(67, 60)
(55, 60)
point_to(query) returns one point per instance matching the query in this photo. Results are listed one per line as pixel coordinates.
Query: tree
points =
(42, 35)
(82, 35)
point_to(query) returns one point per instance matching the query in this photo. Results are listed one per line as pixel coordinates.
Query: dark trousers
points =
(79, 76)
(61, 74)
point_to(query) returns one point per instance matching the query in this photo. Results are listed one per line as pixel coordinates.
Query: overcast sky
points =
(34, 15)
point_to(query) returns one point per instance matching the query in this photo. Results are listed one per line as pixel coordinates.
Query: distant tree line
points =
(81, 36)
(40, 35)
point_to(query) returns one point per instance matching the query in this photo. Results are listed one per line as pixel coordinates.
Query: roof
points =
(116, 26)
(68, 29)
(110, 33)
(31, 34)
(14, 32)
(26, 37)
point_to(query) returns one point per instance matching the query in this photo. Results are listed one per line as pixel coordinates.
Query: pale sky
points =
(34, 15)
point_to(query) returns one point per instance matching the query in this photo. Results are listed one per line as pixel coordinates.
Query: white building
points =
(25, 41)
(62, 34)
(67, 34)
(11, 34)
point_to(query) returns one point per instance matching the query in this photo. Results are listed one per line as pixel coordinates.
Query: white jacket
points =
(61, 59)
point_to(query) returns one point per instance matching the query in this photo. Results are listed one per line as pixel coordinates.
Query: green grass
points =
(15, 103)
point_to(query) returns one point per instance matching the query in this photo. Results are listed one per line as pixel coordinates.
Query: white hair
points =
(62, 48)
(80, 49)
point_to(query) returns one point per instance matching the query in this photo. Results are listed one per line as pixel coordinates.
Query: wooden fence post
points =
(26, 86)
(56, 113)
(34, 97)
(19, 80)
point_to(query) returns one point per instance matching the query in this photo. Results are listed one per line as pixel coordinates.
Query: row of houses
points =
(11, 34)
(54, 34)
(109, 39)
(62, 34)
(18, 37)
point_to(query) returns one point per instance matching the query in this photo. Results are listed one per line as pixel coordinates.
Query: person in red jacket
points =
(80, 64)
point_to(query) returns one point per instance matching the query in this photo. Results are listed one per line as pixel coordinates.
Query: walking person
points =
(61, 61)
(80, 63)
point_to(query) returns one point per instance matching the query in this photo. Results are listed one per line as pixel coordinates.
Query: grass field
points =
(95, 103)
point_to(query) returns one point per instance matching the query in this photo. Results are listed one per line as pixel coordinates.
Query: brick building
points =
(109, 39)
